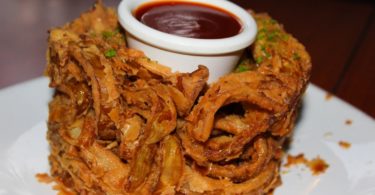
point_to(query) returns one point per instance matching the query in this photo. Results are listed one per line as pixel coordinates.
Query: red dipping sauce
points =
(188, 19)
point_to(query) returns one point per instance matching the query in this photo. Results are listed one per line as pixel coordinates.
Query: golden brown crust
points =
(121, 123)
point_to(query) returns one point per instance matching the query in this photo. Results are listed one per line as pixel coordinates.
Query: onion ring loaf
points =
(120, 123)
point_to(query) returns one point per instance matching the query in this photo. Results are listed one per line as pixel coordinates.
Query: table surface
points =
(339, 35)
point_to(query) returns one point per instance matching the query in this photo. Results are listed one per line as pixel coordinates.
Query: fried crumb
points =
(44, 178)
(317, 165)
(345, 145)
(329, 96)
(295, 160)
(348, 122)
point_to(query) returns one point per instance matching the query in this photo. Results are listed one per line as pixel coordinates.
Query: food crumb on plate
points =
(316, 165)
(44, 178)
(329, 96)
(295, 160)
(344, 144)
(348, 122)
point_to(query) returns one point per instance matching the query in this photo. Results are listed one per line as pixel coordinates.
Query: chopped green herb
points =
(272, 21)
(268, 55)
(244, 65)
(147, 59)
(110, 34)
(263, 30)
(259, 60)
(263, 48)
(284, 37)
(271, 36)
(242, 68)
(296, 56)
(110, 53)
(261, 34)
(107, 34)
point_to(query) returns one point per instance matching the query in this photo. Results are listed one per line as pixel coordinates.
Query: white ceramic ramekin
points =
(184, 54)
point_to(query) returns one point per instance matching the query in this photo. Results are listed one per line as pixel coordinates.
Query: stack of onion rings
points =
(121, 123)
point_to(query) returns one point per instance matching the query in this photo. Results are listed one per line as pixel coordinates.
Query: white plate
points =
(24, 150)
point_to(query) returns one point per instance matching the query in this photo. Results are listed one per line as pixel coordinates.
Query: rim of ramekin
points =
(189, 45)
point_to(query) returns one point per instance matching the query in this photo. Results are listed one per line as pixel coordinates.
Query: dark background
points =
(340, 36)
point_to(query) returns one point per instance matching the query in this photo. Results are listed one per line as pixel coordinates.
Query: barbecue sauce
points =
(188, 19)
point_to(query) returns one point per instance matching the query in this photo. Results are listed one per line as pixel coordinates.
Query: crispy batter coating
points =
(120, 123)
